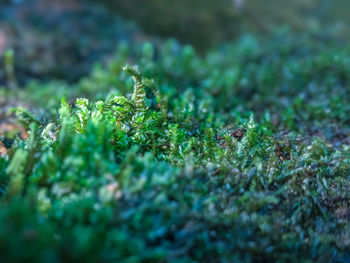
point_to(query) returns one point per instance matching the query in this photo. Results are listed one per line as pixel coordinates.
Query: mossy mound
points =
(239, 156)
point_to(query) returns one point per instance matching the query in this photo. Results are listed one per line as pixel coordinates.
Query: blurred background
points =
(62, 39)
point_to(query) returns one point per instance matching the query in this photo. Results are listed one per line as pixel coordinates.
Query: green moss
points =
(239, 156)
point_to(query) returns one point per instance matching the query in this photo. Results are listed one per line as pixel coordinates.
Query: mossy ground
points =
(238, 156)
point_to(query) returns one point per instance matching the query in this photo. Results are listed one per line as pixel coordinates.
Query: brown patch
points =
(334, 203)
(311, 171)
(238, 133)
(2, 42)
(340, 206)
(340, 138)
(72, 102)
(342, 212)
(6, 128)
(216, 172)
(3, 149)
(281, 153)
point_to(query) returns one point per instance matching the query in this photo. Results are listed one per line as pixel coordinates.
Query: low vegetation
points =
(238, 156)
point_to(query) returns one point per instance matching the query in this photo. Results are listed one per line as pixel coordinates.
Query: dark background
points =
(49, 36)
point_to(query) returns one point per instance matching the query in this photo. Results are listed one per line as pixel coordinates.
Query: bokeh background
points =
(62, 39)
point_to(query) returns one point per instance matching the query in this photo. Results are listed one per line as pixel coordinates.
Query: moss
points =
(239, 156)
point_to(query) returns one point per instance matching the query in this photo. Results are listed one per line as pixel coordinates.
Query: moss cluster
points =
(239, 156)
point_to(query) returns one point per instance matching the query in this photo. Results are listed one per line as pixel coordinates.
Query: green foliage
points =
(239, 156)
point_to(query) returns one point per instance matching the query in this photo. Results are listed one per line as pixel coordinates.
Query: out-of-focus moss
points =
(59, 42)
(199, 22)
